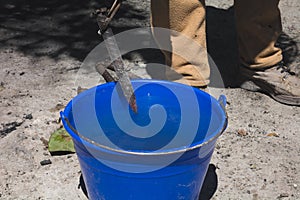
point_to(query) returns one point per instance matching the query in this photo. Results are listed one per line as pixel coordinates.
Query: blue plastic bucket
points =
(161, 152)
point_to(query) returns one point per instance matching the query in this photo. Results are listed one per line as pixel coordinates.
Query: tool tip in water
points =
(133, 105)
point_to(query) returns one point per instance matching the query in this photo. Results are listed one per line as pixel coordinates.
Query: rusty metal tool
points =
(104, 17)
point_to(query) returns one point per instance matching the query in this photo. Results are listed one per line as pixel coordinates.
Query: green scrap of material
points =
(60, 141)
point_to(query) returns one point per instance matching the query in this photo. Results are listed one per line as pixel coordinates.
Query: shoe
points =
(277, 81)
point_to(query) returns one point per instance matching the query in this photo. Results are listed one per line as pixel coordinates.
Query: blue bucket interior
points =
(93, 109)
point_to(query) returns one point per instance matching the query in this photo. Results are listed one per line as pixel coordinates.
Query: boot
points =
(277, 81)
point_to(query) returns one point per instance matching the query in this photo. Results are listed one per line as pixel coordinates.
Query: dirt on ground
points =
(44, 43)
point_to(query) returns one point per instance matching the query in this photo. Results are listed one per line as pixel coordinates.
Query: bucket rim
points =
(79, 137)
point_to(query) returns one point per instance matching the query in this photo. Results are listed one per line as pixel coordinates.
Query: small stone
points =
(19, 122)
(242, 132)
(295, 185)
(58, 107)
(28, 116)
(9, 127)
(253, 166)
(282, 195)
(46, 162)
(22, 173)
(273, 134)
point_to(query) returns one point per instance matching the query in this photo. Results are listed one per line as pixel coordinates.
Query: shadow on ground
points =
(53, 28)
(222, 43)
(60, 27)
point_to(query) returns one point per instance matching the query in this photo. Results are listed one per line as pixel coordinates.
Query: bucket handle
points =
(222, 101)
(66, 121)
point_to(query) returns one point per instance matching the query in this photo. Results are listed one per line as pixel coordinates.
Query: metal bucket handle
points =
(221, 100)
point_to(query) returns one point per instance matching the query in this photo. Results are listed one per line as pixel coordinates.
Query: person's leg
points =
(258, 25)
(188, 18)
